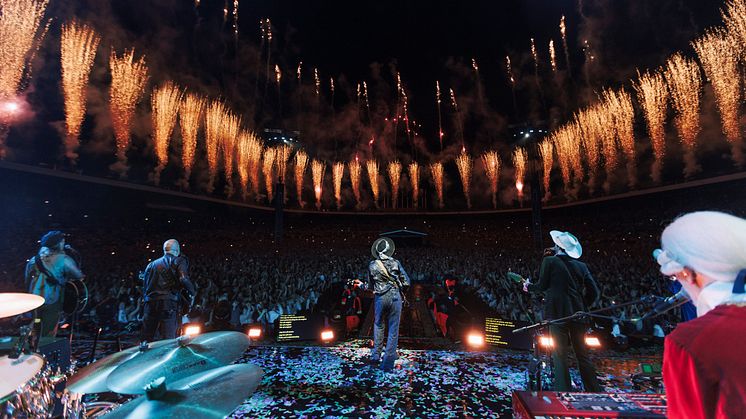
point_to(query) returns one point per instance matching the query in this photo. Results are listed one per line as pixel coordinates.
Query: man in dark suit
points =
(563, 280)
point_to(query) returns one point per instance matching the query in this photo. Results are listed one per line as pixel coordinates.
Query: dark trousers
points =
(574, 334)
(161, 316)
(49, 314)
(388, 310)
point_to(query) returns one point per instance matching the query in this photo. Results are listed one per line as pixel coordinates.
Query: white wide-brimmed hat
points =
(567, 242)
(383, 245)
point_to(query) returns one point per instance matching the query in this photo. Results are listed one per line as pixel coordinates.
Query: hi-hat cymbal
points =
(177, 360)
(209, 394)
(15, 303)
(92, 378)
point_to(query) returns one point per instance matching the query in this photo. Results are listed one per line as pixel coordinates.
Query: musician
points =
(164, 278)
(386, 278)
(46, 275)
(704, 368)
(562, 279)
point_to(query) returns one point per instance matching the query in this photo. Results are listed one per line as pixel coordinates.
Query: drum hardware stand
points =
(95, 344)
(26, 333)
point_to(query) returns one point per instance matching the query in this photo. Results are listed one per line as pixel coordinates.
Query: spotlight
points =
(192, 330)
(255, 332)
(327, 335)
(11, 106)
(475, 340)
(592, 341)
(546, 342)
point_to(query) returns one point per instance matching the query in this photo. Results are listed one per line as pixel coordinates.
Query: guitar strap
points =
(392, 280)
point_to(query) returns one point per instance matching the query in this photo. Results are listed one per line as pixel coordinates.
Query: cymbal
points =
(92, 378)
(177, 360)
(15, 303)
(209, 394)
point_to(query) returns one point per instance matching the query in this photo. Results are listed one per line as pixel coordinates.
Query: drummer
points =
(46, 275)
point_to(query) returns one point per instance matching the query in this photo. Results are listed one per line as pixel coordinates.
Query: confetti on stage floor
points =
(335, 382)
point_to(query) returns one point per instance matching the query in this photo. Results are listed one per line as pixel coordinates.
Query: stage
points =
(316, 381)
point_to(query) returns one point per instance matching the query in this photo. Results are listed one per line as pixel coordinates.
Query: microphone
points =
(669, 303)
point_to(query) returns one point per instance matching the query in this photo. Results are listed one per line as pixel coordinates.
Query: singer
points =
(704, 366)
(562, 279)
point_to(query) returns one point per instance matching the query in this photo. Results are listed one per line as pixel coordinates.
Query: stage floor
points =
(313, 381)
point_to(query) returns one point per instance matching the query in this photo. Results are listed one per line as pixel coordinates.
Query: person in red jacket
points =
(704, 366)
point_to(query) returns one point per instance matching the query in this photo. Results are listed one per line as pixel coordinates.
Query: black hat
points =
(52, 239)
(383, 245)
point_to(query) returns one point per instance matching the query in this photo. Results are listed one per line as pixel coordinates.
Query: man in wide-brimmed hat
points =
(563, 280)
(386, 279)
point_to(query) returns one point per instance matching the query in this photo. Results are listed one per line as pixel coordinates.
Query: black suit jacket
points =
(563, 292)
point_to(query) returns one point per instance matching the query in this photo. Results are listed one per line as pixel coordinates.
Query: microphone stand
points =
(587, 314)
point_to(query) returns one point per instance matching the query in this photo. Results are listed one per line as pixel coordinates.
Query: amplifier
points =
(550, 405)
(55, 350)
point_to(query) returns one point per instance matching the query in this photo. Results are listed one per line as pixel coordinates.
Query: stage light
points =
(475, 339)
(11, 107)
(327, 335)
(592, 342)
(192, 330)
(255, 332)
(546, 342)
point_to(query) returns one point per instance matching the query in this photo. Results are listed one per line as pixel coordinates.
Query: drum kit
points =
(186, 377)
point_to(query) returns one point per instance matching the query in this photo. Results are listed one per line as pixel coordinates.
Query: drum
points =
(26, 386)
(76, 297)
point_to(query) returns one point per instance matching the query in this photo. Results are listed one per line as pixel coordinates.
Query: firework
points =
(317, 171)
(440, 119)
(301, 162)
(164, 103)
(652, 94)
(519, 163)
(474, 65)
(278, 75)
(79, 44)
(546, 151)
(619, 108)
(734, 16)
(394, 170)
(235, 18)
(588, 127)
(684, 82)
(317, 81)
(242, 161)
(458, 117)
(213, 126)
(491, 162)
(231, 127)
(331, 85)
(535, 56)
(464, 164)
(128, 79)
(372, 167)
(685, 85)
(338, 170)
(268, 165)
(365, 96)
(414, 180)
(355, 170)
(563, 32)
(20, 21)
(436, 171)
(719, 58)
(281, 159)
(190, 117)
(298, 71)
(254, 157)
(509, 71)
(552, 55)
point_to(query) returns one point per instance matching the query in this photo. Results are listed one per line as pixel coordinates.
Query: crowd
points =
(243, 276)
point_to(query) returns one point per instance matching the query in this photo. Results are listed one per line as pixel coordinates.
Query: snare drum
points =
(26, 386)
(76, 297)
